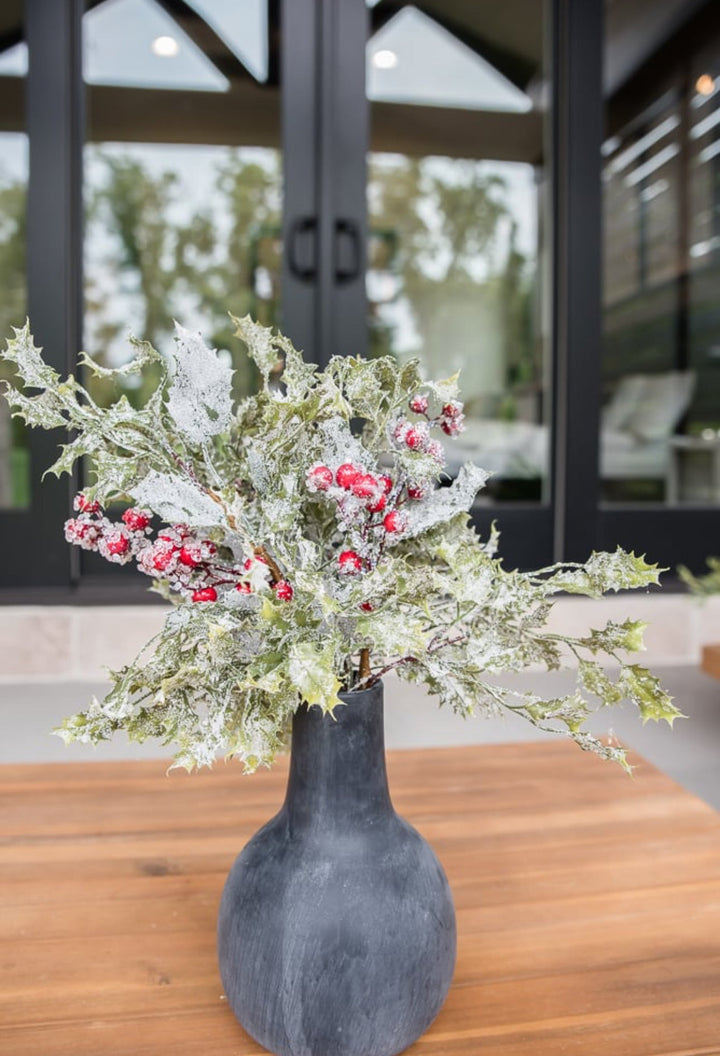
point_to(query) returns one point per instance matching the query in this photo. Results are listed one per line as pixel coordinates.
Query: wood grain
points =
(588, 904)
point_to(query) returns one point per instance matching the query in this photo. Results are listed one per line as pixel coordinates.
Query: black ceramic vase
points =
(336, 934)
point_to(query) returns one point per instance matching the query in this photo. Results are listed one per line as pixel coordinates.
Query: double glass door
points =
(372, 177)
(369, 177)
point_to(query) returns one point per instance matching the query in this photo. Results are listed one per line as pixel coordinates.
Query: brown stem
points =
(260, 551)
(394, 664)
(364, 672)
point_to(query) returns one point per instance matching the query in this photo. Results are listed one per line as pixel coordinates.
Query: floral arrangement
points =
(310, 543)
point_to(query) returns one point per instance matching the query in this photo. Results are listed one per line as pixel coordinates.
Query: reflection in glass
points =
(661, 358)
(179, 232)
(182, 220)
(14, 454)
(137, 43)
(455, 233)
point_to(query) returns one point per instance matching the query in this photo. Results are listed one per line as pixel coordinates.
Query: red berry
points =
(435, 450)
(394, 522)
(190, 556)
(365, 486)
(451, 426)
(250, 561)
(243, 588)
(419, 404)
(350, 562)
(366, 606)
(84, 505)
(319, 478)
(346, 475)
(415, 492)
(378, 504)
(452, 409)
(205, 594)
(387, 483)
(120, 544)
(136, 520)
(415, 439)
(283, 590)
(163, 556)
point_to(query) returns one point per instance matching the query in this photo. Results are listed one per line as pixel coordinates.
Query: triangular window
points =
(412, 59)
(14, 61)
(243, 25)
(135, 43)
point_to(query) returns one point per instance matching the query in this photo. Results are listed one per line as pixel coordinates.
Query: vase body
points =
(336, 933)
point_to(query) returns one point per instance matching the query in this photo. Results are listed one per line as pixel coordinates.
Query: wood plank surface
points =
(710, 662)
(588, 904)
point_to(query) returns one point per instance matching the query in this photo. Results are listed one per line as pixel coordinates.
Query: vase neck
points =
(337, 764)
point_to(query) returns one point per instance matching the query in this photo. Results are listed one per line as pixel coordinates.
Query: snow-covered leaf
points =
(200, 395)
(177, 500)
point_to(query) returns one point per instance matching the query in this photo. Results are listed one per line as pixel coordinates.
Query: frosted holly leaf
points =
(645, 691)
(32, 368)
(606, 571)
(311, 671)
(199, 396)
(261, 345)
(445, 389)
(43, 410)
(177, 501)
(338, 445)
(144, 354)
(444, 503)
(627, 635)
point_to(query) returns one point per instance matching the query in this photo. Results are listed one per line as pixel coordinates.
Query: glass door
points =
(457, 252)
(182, 182)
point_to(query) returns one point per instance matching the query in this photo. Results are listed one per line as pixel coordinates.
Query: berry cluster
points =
(367, 504)
(189, 562)
(416, 435)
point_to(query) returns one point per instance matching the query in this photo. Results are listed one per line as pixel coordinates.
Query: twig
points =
(364, 671)
(260, 551)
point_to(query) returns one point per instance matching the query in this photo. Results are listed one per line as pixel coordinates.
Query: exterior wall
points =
(71, 644)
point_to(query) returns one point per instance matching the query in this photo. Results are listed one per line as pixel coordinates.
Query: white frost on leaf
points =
(177, 501)
(262, 348)
(444, 503)
(199, 398)
(339, 445)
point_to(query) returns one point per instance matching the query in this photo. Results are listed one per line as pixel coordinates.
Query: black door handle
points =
(302, 248)
(348, 262)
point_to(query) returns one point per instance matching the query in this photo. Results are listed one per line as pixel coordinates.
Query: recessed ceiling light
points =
(167, 47)
(385, 59)
(705, 84)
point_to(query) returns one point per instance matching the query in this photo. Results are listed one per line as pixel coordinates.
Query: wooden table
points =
(588, 904)
(710, 662)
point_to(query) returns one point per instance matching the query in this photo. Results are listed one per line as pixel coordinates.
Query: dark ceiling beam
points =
(204, 37)
(658, 73)
(10, 38)
(518, 70)
(274, 41)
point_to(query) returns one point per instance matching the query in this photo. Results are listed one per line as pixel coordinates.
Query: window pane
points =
(455, 194)
(14, 455)
(660, 426)
(182, 183)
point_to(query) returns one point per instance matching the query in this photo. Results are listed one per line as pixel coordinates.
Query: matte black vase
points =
(336, 934)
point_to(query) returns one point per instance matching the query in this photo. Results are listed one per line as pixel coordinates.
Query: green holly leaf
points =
(311, 670)
(644, 690)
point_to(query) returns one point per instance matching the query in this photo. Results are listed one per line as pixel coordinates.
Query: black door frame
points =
(37, 556)
(325, 141)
